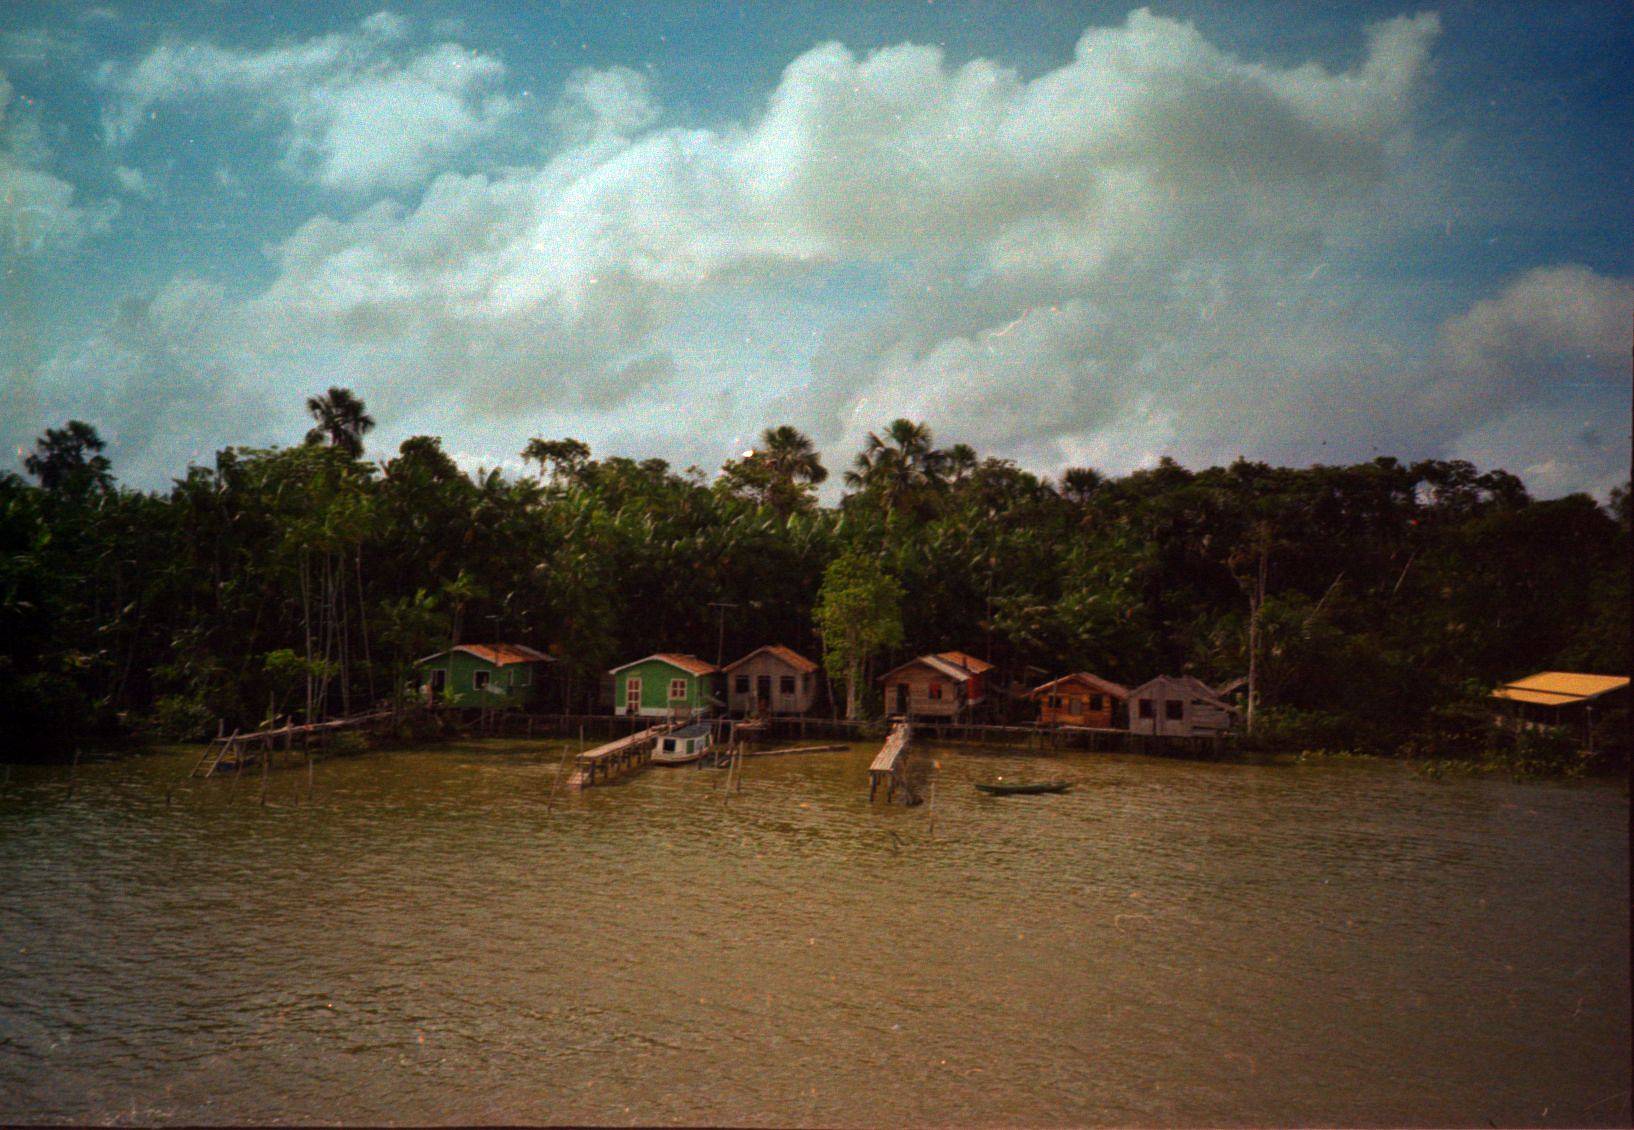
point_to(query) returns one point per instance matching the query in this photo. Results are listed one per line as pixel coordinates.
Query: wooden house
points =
(944, 685)
(1178, 706)
(771, 680)
(485, 675)
(1081, 699)
(665, 685)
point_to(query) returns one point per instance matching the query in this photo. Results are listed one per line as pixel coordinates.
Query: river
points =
(432, 936)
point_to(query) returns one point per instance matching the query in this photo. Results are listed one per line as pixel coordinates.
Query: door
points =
(763, 693)
(902, 698)
(632, 695)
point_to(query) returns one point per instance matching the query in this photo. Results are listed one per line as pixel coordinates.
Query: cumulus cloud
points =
(356, 109)
(38, 211)
(1129, 255)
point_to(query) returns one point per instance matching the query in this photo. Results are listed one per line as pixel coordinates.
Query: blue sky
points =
(1065, 234)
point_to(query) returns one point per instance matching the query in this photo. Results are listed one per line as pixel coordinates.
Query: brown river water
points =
(431, 938)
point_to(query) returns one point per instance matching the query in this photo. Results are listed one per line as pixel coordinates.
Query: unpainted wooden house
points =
(1081, 699)
(1178, 706)
(945, 685)
(665, 685)
(485, 675)
(771, 680)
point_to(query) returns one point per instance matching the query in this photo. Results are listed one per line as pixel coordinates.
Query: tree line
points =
(1371, 602)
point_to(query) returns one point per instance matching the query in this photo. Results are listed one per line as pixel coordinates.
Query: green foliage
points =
(181, 718)
(859, 614)
(1396, 594)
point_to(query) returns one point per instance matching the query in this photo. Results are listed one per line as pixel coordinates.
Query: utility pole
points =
(720, 607)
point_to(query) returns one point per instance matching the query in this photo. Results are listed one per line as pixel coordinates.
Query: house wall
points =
(919, 680)
(518, 681)
(1199, 719)
(743, 702)
(655, 676)
(1076, 699)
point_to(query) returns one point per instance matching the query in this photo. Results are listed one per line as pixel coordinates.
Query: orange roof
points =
(691, 664)
(1559, 688)
(962, 659)
(1093, 682)
(786, 654)
(499, 654)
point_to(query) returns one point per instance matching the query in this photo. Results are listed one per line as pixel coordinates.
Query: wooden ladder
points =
(212, 755)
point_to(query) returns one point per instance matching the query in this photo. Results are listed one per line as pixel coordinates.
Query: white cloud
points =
(132, 181)
(1130, 255)
(38, 211)
(595, 104)
(357, 110)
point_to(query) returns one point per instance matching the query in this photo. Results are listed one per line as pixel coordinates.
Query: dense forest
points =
(1379, 601)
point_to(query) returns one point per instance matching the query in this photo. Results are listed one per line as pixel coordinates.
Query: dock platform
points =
(889, 767)
(616, 758)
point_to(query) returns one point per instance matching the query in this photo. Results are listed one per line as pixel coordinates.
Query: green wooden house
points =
(665, 684)
(488, 675)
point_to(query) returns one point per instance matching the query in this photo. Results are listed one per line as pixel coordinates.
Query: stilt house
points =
(1178, 706)
(666, 685)
(944, 685)
(486, 675)
(1081, 699)
(771, 680)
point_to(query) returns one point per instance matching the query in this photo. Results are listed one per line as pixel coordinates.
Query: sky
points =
(1066, 234)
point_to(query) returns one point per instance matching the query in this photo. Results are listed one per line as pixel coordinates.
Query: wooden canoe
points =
(1022, 788)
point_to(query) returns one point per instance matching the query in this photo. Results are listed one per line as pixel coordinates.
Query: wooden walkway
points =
(890, 765)
(238, 749)
(616, 757)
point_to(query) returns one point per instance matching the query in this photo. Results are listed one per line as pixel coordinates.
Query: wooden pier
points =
(616, 758)
(891, 764)
(237, 749)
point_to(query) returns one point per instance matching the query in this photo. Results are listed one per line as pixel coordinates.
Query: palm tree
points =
(342, 422)
(900, 466)
(790, 453)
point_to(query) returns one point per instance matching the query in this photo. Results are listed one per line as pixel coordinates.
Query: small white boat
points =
(683, 746)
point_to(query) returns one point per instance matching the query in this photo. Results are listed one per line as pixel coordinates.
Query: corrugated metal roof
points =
(499, 654)
(964, 659)
(786, 654)
(1184, 683)
(1105, 686)
(1559, 688)
(935, 663)
(691, 664)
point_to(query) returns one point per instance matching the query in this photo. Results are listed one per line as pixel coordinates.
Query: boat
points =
(1001, 787)
(683, 746)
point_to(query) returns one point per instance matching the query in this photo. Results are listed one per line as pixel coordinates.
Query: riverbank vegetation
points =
(1381, 601)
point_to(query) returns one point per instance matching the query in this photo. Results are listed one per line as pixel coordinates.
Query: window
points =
(740, 684)
(1097, 702)
(1146, 708)
(785, 685)
(935, 692)
(632, 693)
(479, 679)
(1055, 702)
(677, 689)
(1174, 711)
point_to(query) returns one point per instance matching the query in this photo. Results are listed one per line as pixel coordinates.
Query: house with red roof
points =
(944, 685)
(771, 680)
(482, 675)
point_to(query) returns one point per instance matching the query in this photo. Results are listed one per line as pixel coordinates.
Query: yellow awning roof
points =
(1559, 688)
